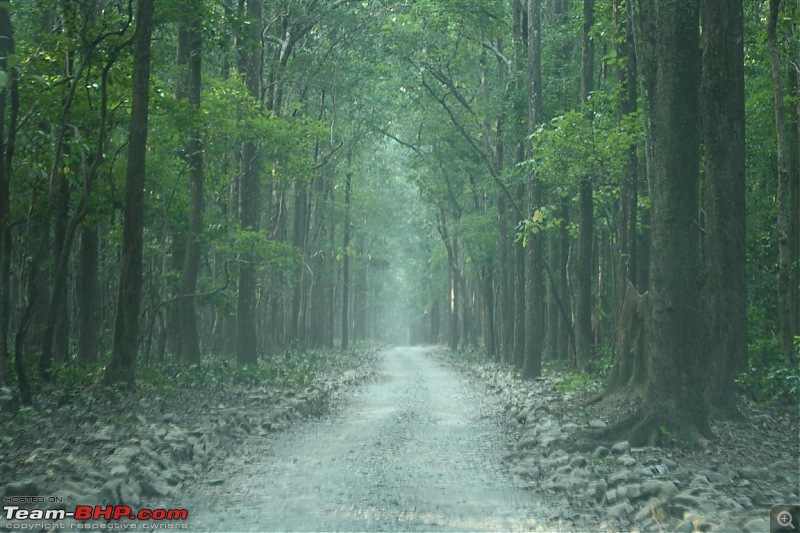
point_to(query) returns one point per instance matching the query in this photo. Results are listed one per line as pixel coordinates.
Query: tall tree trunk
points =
(505, 301)
(784, 191)
(565, 330)
(584, 348)
(794, 180)
(534, 299)
(125, 344)
(724, 141)
(296, 323)
(346, 264)
(674, 404)
(331, 270)
(89, 318)
(520, 51)
(6, 50)
(553, 312)
(487, 301)
(456, 330)
(191, 39)
(642, 30)
(249, 199)
(625, 250)
(360, 292)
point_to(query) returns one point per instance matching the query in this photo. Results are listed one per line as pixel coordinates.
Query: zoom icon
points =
(784, 518)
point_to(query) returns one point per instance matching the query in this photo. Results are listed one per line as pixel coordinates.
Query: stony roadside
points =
(728, 487)
(146, 447)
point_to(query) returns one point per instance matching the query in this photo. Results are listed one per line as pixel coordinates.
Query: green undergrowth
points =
(289, 369)
(168, 386)
(285, 370)
(566, 377)
(591, 381)
(768, 380)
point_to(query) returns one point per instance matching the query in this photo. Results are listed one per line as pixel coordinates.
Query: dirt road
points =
(418, 449)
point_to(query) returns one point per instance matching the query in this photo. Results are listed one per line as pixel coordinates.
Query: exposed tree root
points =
(652, 428)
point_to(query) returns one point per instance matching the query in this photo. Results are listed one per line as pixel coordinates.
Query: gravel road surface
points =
(417, 449)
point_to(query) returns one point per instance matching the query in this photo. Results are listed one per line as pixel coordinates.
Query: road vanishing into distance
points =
(416, 449)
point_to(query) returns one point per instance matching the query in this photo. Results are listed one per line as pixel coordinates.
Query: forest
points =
(608, 186)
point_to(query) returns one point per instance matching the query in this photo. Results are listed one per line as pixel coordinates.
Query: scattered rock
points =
(120, 471)
(621, 448)
(600, 452)
(104, 434)
(154, 488)
(717, 479)
(21, 488)
(600, 488)
(756, 524)
(620, 510)
(637, 488)
(626, 460)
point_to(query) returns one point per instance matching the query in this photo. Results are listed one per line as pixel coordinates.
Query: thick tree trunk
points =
(519, 304)
(6, 49)
(249, 200)
(674, 403)
(584, 348)
(553, 310)
(534, 299)
(520, 51)
(794, 182)
(191, 37)
(626, 236)
(723, 117)
(125, 344)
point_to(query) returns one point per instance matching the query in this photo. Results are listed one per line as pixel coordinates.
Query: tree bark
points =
(125, 344)
(505, 301)
(784, 191)
(795, 190)
(192, 39)
(301, 219)
(674, 404)
(563, 281)
(89, 317)
(249, 199)
(584, 348)
(534, 299)
(520, 51)
(6, 49)
(346, 264)
(723, 134)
